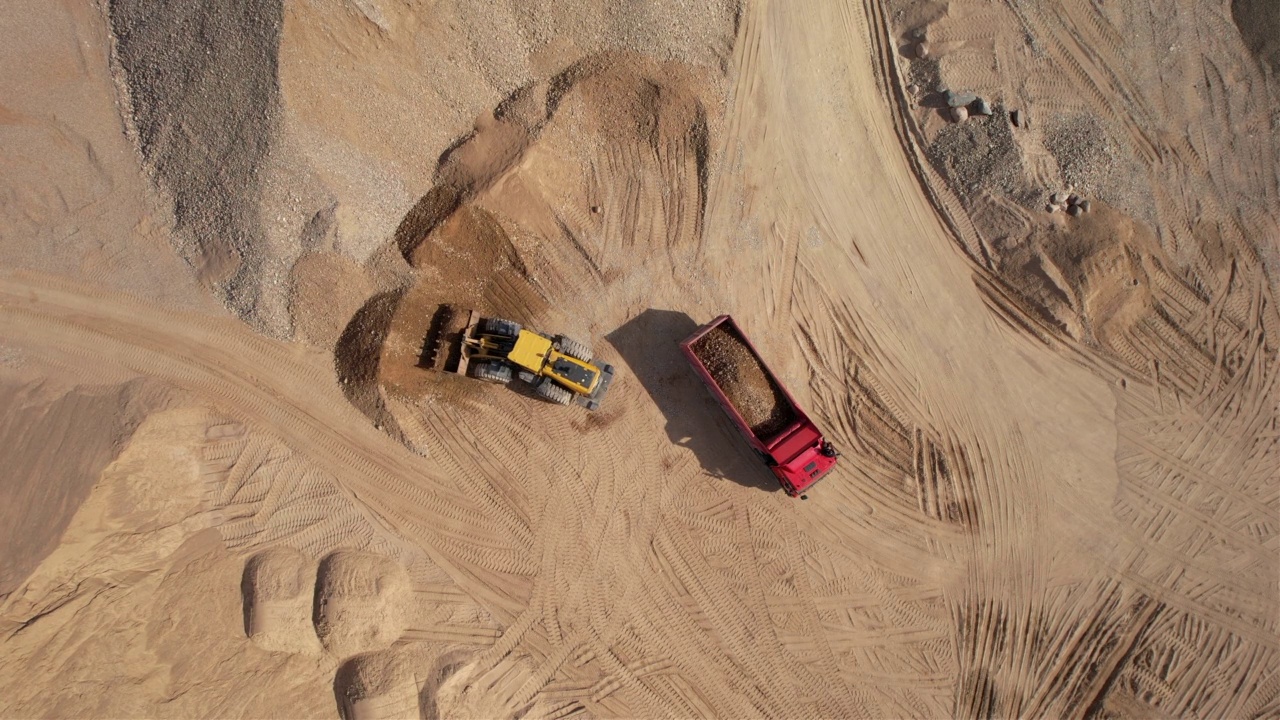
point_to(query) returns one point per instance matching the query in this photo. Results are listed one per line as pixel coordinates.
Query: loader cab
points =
(574, 373)
(537, 354)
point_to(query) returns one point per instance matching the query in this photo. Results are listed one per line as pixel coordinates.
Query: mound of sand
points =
(1090, 274)
(444, 669)
(276, 588)
(474, 691)
(378, 685)
(44, 484)
(536, 208)
(359, 602)
(738, 372)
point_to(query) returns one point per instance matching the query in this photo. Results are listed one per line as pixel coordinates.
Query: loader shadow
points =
(650, 345)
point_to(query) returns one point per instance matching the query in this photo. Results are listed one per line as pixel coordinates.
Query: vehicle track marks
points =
(277, 389)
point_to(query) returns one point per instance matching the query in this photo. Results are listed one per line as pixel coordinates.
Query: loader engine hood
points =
(575, 373)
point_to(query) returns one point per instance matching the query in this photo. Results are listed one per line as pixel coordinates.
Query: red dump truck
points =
(775, 426)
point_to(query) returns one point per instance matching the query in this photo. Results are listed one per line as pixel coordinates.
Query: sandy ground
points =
(230, 490)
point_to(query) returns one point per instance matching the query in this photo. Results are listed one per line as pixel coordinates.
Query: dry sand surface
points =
(1046, 344)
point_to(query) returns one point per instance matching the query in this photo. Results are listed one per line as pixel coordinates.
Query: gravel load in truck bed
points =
(740, 375)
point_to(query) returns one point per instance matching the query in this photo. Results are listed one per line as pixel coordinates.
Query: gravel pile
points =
(202, 98)
(740, 375)
(1096, 165)
(979, 155)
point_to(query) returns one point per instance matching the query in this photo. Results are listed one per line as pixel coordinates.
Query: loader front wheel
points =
(573, 348)
(548, 390)
(494, 372)
(498, 326)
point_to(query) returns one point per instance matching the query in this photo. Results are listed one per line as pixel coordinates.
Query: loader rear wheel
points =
(498, 326)
(553, 392)
(494, 372)
(574, 348)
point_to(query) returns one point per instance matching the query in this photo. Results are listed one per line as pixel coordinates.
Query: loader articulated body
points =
(560, 369)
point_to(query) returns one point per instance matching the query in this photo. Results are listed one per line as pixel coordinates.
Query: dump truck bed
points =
(758, 403)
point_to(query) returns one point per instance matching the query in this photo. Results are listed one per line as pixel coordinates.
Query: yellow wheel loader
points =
(560, 369)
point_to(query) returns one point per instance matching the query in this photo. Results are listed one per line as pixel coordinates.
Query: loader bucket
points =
(443, 344)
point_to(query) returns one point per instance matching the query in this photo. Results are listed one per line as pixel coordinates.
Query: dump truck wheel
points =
(498, 326)
(573, 348)
(553, 392)
(494, 372)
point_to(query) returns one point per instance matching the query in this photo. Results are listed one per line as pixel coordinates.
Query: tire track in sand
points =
(294, 397)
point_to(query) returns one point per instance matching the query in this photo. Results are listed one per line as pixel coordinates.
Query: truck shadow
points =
(650, 345)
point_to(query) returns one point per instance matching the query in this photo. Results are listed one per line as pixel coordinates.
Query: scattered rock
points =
(922, 50)
(959, 114)
(595, 209)
(1058, 198)
(913, 89)
(1015, 117)
(982, 107)
(1052, 208)
(1075, 204)
(976, 155)
(961, 99)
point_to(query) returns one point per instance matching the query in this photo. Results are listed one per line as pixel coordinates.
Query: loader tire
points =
(494, 372)
(548, 390)
(498, 326)
(573, 348)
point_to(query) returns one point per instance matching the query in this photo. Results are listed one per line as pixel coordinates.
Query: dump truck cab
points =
(799, 457)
